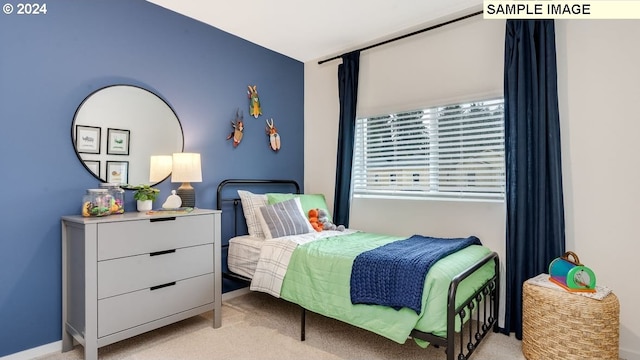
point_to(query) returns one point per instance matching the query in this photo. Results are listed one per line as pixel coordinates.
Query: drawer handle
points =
(162, 252)
(163, 219)
(162, 286)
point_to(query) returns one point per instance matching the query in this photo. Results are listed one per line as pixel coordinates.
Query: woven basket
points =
(560, 325)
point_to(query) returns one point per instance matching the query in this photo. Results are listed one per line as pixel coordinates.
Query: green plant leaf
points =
(145, 192)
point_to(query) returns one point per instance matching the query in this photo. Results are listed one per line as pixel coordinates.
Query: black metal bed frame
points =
(484, 303)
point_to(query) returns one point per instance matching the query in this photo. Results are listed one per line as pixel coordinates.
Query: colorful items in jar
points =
(96, 202)
(116, 205)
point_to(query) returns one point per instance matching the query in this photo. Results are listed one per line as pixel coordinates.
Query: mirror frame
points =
(84, 101)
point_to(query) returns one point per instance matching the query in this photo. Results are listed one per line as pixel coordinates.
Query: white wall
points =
(598, 80)
(597, 74)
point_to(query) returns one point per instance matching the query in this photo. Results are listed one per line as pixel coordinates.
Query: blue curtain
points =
(348, 93)
(535, 208)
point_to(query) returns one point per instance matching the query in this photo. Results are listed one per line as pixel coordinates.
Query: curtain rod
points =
(404, 36)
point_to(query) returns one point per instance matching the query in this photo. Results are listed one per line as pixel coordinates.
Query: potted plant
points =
(144, 195)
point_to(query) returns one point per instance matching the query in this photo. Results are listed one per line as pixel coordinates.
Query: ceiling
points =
(312, 30)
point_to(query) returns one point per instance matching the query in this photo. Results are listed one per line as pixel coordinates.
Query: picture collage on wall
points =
(89, 141)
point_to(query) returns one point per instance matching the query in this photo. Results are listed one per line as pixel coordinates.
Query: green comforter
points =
(318, 278)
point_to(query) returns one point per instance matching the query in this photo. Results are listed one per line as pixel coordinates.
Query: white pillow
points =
(251, 203)
(283, 219)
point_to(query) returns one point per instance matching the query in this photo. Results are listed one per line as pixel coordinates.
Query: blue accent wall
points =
(50, 63)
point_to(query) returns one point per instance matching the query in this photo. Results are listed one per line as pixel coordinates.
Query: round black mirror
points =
(116, 130)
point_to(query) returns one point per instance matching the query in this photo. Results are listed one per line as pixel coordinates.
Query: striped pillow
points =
(251, 204)
(283, 219)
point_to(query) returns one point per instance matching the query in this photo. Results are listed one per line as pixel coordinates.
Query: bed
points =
(457, 303)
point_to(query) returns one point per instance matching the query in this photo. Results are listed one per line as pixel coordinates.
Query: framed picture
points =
(118, 172)
(94, 166)
(117, 142)
(88, 139)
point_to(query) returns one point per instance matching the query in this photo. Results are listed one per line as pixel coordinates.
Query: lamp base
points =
(187, 194)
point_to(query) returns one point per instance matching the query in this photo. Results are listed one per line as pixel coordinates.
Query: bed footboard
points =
(480, 310)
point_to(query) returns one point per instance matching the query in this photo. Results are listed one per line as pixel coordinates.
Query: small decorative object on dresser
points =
(116, 201)
(144, 196)
(173, 201)
(95, 202)
(126, 275)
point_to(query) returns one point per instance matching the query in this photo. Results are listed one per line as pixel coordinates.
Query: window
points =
(451, 151)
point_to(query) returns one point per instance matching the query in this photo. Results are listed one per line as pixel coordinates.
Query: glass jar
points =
(96, 202)
(117, 197)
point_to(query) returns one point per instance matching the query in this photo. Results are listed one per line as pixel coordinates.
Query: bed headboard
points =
(229, 202)
(232, 219)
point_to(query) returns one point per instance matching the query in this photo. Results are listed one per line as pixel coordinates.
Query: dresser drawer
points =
(127, 238)
(118, 276)
(126, 311)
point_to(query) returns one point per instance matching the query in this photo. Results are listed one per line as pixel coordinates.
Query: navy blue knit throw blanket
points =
(394, 274)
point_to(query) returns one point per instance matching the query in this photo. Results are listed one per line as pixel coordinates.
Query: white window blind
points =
(451, 151)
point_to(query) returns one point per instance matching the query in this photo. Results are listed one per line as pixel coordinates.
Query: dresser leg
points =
(67, 341)
(217, 318)
(90, 351)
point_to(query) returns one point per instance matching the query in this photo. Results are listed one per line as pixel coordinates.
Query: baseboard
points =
(629, 355)
(235, 293)
(54, 347)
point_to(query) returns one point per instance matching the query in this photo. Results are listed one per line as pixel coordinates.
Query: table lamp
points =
(186, 169)
(159, 168)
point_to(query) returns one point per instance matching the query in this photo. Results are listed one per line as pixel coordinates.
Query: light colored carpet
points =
(258, 326)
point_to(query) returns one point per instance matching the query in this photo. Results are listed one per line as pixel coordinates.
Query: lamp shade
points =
(159, 168)
(186, 168)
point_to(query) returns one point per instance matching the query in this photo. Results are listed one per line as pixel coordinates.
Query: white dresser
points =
(126, 274)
